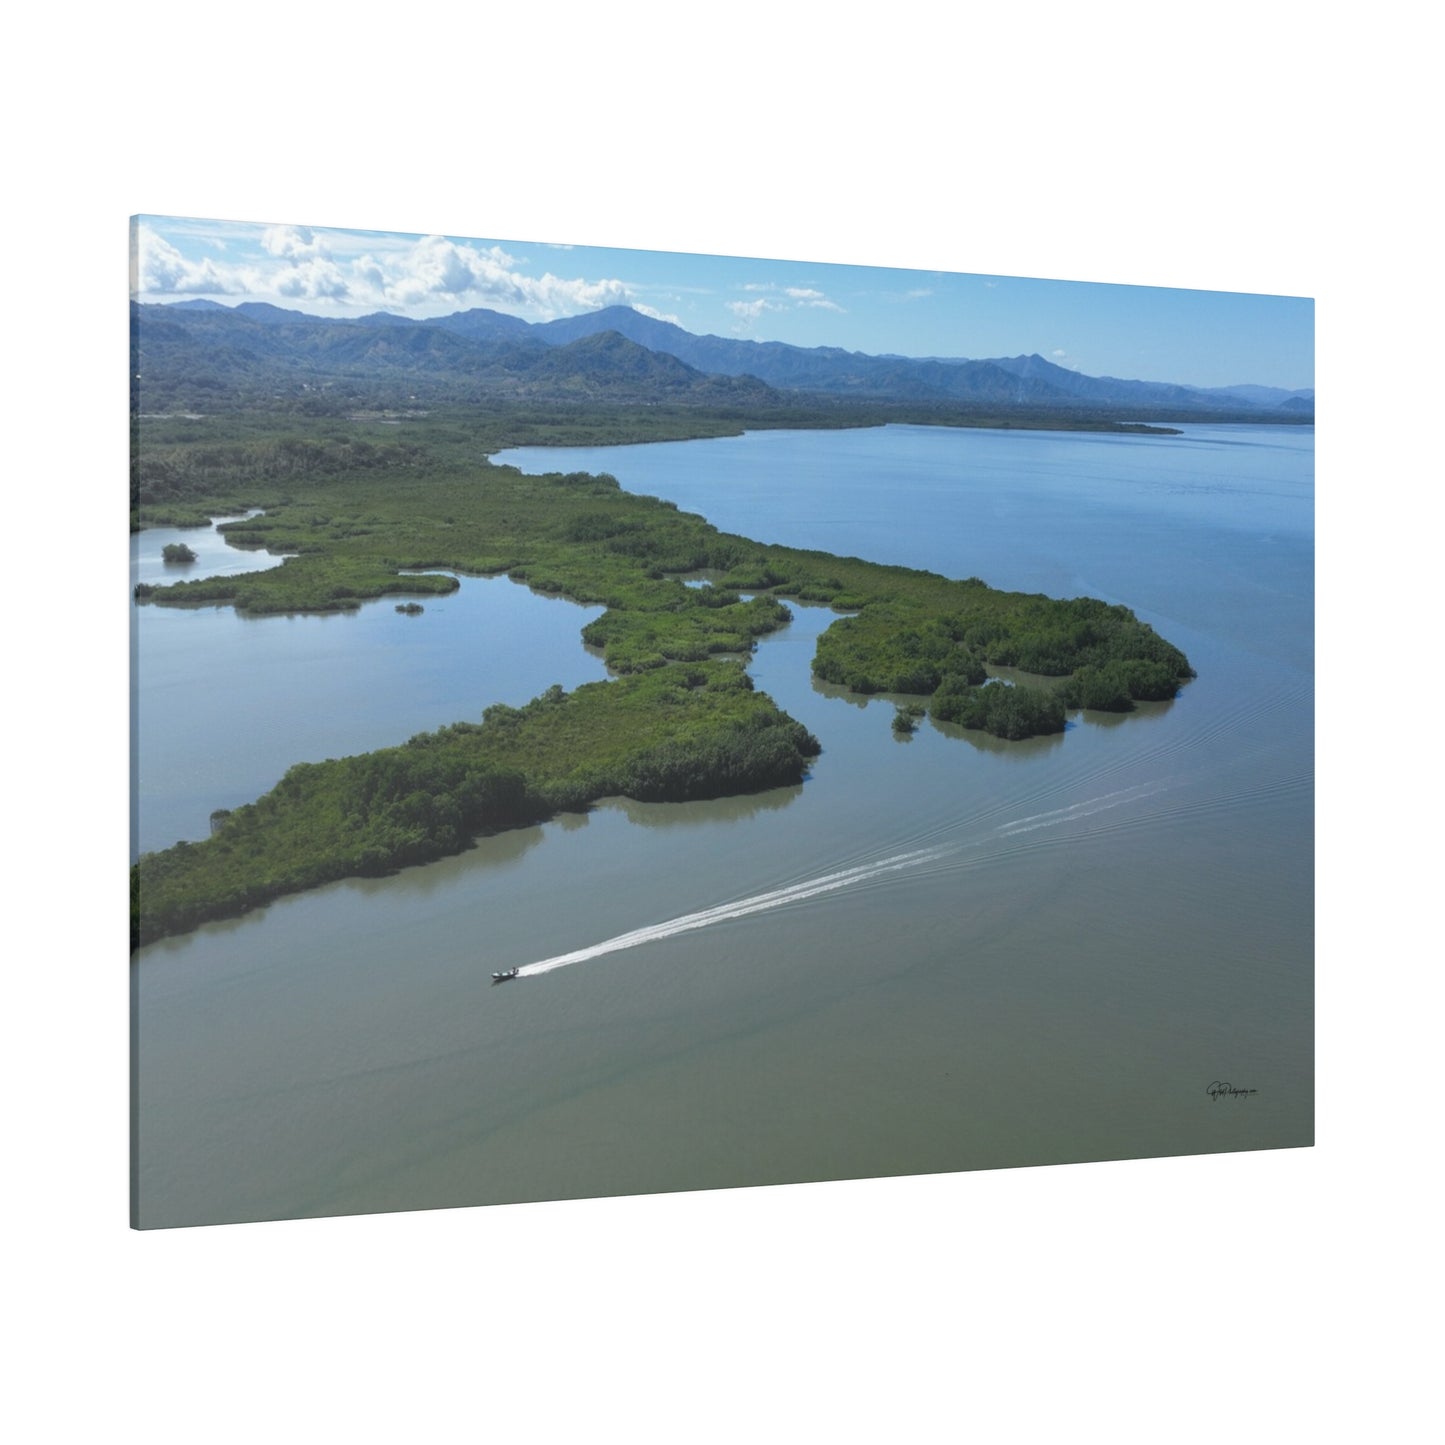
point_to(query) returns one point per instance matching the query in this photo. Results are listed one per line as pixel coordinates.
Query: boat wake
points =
(1075, 811)
(742, 908)
(946, 855)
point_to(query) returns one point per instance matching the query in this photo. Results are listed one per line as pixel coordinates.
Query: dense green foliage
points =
(358, 506)
(177, 552)
(188, 468)
(1006, 712)
(672, 734)
(1114, 686)
(906, 719)
(936, 637)
(896, 647)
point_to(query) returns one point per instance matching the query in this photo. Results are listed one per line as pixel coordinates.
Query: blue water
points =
(1174, 527)
(226, 703)
(1104, 923)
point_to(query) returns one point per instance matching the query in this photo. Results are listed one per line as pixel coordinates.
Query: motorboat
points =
(506, 975)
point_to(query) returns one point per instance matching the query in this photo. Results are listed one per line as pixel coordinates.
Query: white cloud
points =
(1058, 351)
(797, 295)
(558, 297)
(162, 268)
(313, 280)
(436, 269)
(370, 274)
(310, 272)
(918, 294)
(423, 275)
(751, 310)
(803, 293)
(292, 243)
(655, 314)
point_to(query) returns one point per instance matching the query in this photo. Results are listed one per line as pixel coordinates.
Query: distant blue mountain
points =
(479, 323)
(641, 354)
(1264, 395)
(264, 311)
(1016, 381)
(256, 352)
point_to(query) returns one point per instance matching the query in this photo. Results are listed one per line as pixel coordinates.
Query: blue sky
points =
(1201, 338)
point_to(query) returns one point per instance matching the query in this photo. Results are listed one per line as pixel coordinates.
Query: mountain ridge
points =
(199, 345)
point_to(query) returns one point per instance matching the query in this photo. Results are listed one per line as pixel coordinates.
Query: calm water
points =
(227, 703)
(936, 954)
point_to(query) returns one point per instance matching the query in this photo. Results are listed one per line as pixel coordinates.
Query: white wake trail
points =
(829, 883)
(1079, 810)
(726, 912)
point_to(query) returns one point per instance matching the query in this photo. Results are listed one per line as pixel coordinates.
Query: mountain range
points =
(192, 352)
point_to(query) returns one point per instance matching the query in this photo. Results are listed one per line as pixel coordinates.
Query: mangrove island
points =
(358, 512)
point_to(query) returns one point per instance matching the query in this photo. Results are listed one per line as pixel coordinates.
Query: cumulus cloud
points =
(555, 296)
(312, 280)
(422, 275)
(309, 272)
(369, 274)
(438, 269)
(160, 267)
(655, 314)
(292, 243)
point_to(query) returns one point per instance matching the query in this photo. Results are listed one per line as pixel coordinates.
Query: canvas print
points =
(609, 722)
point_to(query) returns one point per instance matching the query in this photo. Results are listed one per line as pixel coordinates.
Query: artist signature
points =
(1218, 1090)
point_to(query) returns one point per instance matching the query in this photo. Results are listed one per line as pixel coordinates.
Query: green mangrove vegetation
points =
(187, 468)
(906, 719)
(668, 735)
(361, 509)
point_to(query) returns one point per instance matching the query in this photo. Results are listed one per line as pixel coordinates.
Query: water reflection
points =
(225, 703)
(216, 554)
(492, 851)
(1015, 752)
(834, 693)
(705, 812)
(1122, 917)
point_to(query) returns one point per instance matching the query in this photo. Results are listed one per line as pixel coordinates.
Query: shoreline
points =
(358, 534)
